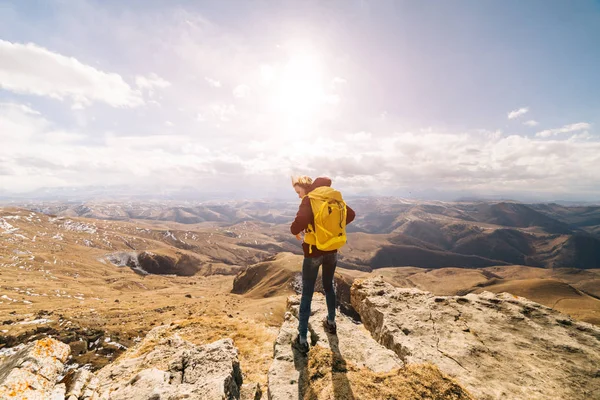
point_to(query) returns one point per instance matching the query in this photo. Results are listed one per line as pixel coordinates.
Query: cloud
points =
(531, 123)
(151, 82)
(517, 113)
(21, 107)
(212, 82)
(241, 91)
(222, 112)
(485, 162)
(580, 126)
(31, 69)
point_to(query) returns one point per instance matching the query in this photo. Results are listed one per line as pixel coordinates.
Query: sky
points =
(427, 99)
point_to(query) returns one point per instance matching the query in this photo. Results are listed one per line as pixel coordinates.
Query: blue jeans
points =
(310, 270)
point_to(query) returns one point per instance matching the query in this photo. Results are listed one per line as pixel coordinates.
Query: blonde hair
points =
(302, 181)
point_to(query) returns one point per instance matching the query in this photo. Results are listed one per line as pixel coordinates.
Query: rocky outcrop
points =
(162, 366)
(349, 365)
(31, 373)
(146, 262)
(497, 346)
(288, 375)
(165, 366)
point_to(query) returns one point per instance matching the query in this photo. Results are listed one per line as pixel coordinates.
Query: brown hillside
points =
(554, 294)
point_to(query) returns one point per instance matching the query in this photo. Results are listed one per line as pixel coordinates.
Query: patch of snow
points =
(76, 226)
(169, 235)
(8, 228)
(11, 350)
(117, 345)
(36, 321)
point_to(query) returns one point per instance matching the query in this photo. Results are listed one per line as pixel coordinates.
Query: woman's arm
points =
(350, 214)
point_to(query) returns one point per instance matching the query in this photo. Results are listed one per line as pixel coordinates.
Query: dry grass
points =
(331, 377)
(253, 339)
(448, 281)
(555, 294)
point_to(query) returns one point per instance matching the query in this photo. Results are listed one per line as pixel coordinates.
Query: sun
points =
(299, 90)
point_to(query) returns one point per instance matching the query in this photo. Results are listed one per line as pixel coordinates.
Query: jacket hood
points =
(319, 182)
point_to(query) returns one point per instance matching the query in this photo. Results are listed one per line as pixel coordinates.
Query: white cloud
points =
(517, 113)
(212, 82)
(581, 136)
(531, 122)
(483, 162)
(21, 107)
(151, 82)
(580, 126)
(31, 69)
(241, 91)
(223, 112)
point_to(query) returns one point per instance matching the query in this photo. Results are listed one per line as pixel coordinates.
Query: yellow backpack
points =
(329, 210)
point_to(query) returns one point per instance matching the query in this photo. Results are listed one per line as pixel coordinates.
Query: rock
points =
(165, 366)
(288, 374)
(31, 373)
(59, 392)
(78, 347)
(250, 391)
(76, 381)
(90, 389)
(497, 346)
(284, 378)
(109, 349)
(352, 340)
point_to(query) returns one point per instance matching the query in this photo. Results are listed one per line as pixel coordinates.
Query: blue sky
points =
(490, 98)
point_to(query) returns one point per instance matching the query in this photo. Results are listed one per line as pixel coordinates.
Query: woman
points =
(313, 259)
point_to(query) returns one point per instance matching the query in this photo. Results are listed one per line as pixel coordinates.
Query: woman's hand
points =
(299, 237)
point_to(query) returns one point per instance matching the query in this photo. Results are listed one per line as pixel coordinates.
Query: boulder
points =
(164, 366)
(31, 373)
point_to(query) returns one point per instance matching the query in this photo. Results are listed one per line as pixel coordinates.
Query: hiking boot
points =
(302, 347)
(329, 327)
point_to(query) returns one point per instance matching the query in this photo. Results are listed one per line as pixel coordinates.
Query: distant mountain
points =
(586, 218)
(398, 231)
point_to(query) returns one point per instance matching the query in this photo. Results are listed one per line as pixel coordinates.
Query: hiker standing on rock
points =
(323, 216)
